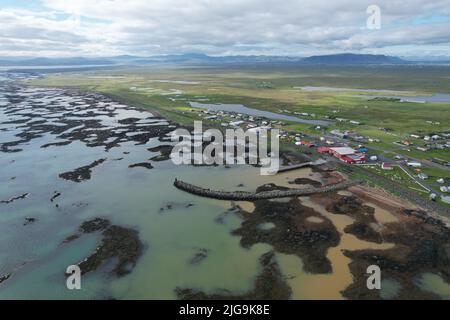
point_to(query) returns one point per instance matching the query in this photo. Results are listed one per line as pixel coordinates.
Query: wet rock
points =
(76, 121)
(348, 205)
(199, 256)
(164, 150)
(175, 205)
(128, 120)
(82, 173)
(5, 277)
(302, 181)
(118, 243)
(56, 144)
(71, 238)
(56, 194)
(364, 232)
(292, 234)
(141, 164)
(420, 247)
(94, 225)
(269, 285)
(29, 221)
(10, 200)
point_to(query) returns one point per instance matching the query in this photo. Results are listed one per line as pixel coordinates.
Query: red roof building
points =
(348, 155)
(323, 150)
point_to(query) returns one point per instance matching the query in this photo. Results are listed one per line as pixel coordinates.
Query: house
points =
(353, 159)
(407, 142)
(387, 166)
(423, 176)
(258, 130)
(236, 123)
(444, 189)
(445, 199)
(414, 164)
(424, 149)
(339, 134)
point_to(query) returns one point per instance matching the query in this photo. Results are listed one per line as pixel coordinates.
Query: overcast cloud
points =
(219, 27)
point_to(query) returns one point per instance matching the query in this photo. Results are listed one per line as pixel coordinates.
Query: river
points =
(239, 108)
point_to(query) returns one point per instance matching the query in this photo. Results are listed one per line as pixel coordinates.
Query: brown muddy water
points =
(68, 157)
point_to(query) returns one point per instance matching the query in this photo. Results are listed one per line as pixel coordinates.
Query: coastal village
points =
(349, 147)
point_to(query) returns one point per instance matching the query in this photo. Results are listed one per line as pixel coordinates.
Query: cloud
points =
(293, 27)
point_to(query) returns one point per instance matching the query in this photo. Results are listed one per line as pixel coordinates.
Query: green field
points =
(273, 89)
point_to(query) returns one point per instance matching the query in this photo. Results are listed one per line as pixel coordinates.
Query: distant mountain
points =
(351, 58)
(76, 61)
(200, 58)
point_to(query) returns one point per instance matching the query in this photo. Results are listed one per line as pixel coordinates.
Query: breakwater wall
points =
(253, 196)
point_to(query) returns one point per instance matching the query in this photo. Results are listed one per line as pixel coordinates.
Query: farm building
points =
(414, 164)
(348, 155)
(387, 166)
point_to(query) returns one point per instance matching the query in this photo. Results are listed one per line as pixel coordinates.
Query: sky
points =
(61, 28)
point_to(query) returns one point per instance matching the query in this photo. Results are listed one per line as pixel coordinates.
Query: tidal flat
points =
(77, 164)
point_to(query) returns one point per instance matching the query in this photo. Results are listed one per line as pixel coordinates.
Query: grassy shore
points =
(274, 89)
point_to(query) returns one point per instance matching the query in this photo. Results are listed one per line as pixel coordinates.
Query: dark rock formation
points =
(82, 173)
(199, 256)
(269, 285)
(22, 196)
(141, 164)
(119, 243)
(292, 234)
(29, 221)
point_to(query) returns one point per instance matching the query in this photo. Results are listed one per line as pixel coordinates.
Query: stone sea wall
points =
(253, 196)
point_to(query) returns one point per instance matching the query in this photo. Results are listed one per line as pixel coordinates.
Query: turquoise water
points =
(435, 284)
(37, 259)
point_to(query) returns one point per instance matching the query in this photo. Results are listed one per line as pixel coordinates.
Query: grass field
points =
(273, 89)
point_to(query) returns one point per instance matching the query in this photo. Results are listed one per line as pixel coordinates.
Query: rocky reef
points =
(119, 243)
(269, 285)
(82, 173)
(293, 232)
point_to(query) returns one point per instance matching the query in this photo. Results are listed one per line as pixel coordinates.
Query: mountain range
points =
(198, 58)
